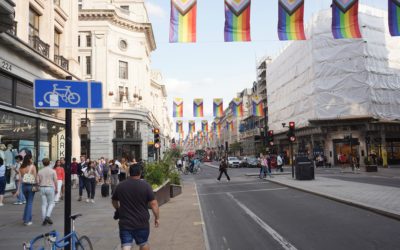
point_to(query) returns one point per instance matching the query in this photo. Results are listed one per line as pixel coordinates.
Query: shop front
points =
(24, 130)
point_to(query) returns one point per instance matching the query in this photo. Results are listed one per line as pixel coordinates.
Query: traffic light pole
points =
(292, 158)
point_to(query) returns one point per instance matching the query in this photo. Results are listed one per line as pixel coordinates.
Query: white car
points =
(233, 162)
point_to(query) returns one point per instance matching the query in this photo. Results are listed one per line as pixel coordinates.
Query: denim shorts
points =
(140, 236)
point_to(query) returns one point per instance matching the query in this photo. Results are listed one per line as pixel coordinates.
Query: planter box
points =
(162, 193)
(175, 190)
(371, 168)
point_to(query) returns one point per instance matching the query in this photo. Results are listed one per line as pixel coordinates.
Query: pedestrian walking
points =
(114, 170)
(20, 198)
(123, 168)
(105, 170)
(28, 174)
(131, 200)
(2, 181)
(60, 179)
(48, 182)
(223, 169)
(279, 161)
(82, 179)
(91, 179)
(74, 173)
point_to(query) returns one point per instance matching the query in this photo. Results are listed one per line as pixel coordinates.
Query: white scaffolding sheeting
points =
(323, 78)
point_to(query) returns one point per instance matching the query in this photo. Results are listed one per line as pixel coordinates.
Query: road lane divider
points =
(275, 235)
(206, 241)
(244, 191)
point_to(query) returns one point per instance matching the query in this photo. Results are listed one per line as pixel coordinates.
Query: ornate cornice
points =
(112, 16)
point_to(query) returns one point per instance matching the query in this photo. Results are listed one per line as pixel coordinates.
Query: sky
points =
(211, 68)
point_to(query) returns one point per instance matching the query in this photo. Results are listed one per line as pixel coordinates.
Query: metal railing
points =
(13, 30)
(123, 134)
(38, 45)
(61, 61)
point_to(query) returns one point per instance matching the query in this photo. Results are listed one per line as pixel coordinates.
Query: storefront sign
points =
(5, 65)
(61, 145)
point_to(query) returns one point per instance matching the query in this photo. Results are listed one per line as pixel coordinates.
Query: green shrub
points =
(175, 178)
(154, 174)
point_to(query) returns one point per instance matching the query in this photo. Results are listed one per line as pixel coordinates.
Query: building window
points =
(126, 93)
(125, 7)
(57, 37)
(24, 96)
(130, 127)
(88, 65)
(79, 41)
(57, 2)
(123, 70)
(121, 93)
(119, 129)
(6, 84)
(79, 59)
(88, 41)
(33, 23)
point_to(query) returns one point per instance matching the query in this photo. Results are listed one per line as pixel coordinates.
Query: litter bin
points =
(304, 169)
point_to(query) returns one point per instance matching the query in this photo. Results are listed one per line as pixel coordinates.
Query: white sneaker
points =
(92, 201)
(28, 224)
(87, 200)
(1, 204)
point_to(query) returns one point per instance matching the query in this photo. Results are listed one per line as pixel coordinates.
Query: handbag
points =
(35, 188)
(29, 178)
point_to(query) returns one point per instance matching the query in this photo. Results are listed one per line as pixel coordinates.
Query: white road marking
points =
(206, 242)
(279, 238)
(234, 184)
(245, 191)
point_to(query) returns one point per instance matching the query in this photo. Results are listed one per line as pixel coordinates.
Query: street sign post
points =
(64, 94)
(68, 95)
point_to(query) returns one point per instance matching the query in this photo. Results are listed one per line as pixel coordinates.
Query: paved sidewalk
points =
(381, 199)
(180, 223)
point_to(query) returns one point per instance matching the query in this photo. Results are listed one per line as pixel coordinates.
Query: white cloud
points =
(155, 10)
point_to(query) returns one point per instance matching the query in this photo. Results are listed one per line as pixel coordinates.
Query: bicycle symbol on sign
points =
(65, 93)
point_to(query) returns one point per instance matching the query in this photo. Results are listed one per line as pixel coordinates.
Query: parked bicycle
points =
(65, 93)
(51, 240)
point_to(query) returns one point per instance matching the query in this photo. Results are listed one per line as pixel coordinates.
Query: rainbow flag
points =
(345, 19)
(237, 107)
(394, 17)
(183, 21)
(178, 107)
(204, 126)
(198, 107)
(229, 126)
(218, 129)
(291, 20)
(179, 127)
(192, 127)
(237, 20)
(257, 106)
(218, 107)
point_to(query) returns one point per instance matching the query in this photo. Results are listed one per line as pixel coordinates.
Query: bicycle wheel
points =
(84, 243)
(74, 98)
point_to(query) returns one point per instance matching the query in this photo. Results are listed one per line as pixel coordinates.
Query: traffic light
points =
(271, 137)
(291, 134)
(156, 132)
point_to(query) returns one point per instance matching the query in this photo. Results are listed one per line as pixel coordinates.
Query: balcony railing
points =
(13, 30)
(123, 134)
(61, 61)
(39, 45)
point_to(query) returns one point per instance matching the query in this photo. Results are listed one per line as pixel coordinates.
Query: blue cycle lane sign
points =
(66, 94)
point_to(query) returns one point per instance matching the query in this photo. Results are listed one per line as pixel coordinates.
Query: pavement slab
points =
(181, 225)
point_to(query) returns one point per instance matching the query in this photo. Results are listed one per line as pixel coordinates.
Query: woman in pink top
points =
(60, 178)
